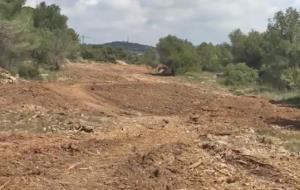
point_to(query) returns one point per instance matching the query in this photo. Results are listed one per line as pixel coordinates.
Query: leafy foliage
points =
(102, 53)
(291, 77)
(150, 57)
(180, 55)
(282, 46)
(28, 70)
(56, 40)
(248, 48)
(38, 36)
(133, 48)
(240, 74)
(9, 8)
(49, 18)
(274, 53)
(214, 58)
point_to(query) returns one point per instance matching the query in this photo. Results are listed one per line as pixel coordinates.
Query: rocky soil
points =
(112, 126)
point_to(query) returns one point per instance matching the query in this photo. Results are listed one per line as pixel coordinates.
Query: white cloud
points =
(89, 2)
(146, 21)
(31, 3)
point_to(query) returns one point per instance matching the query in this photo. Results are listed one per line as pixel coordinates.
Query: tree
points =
(49, 18)
(12, 29)
(33, 38)
(180, 55)
(150, 58)
(286, 25)
(6, 44)
(282, 46)
(214, 58)
(8, 8)
(291, 77)
(254, 49)
(56, 40)
(238, 40)
(53, 48)
(225, 54)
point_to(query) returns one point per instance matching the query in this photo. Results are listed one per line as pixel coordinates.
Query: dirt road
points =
(105, 126)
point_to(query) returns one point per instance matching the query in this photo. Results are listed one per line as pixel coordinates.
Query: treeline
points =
(37, 39)
(33, 39)
(269, 58)
(103, 53)
(128, 46)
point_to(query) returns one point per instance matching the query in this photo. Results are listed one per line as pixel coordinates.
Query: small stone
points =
(231, 180)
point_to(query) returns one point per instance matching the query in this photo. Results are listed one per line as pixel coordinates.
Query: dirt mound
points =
(157, 169)
(103, 73)
(33, 93)
(158, 99)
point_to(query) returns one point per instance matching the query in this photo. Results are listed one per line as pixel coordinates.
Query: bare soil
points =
(109, 126)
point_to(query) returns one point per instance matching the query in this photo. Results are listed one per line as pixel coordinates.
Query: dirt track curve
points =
(106, 126)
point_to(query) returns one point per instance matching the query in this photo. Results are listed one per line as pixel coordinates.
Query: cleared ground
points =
(105, 126)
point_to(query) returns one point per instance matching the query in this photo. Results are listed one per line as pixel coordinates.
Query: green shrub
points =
(107, 54)
(212, 66)
(29, 71)
(214, 58)
(291, 77)
(150, 58)
(180, 55)
(39, 35)
(239, 74)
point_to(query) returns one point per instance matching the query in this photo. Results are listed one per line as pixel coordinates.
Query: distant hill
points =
(127, 46)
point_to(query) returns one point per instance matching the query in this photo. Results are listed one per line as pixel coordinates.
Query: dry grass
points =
(290, 138)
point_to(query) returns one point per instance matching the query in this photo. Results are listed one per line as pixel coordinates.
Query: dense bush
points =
(240, 74)
(55, 40)
(150, 57)
(214, 58)
(39, 36)
(104, 54)
(9, 8)
(180, 55)
(28, 70)
(274, 53)
(291, 77)
(49, 18)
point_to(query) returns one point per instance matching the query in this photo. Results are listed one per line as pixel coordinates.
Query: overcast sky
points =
(145, 21)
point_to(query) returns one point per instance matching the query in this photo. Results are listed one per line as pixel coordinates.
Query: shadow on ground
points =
(161, 75)
(284, 122)
(291, 102)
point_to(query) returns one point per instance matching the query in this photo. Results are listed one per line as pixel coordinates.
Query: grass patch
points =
(286, 97)
(207, 78)
(290, 138)
(275, 94)
(200, 77)
(282, 96)
(53, 75)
